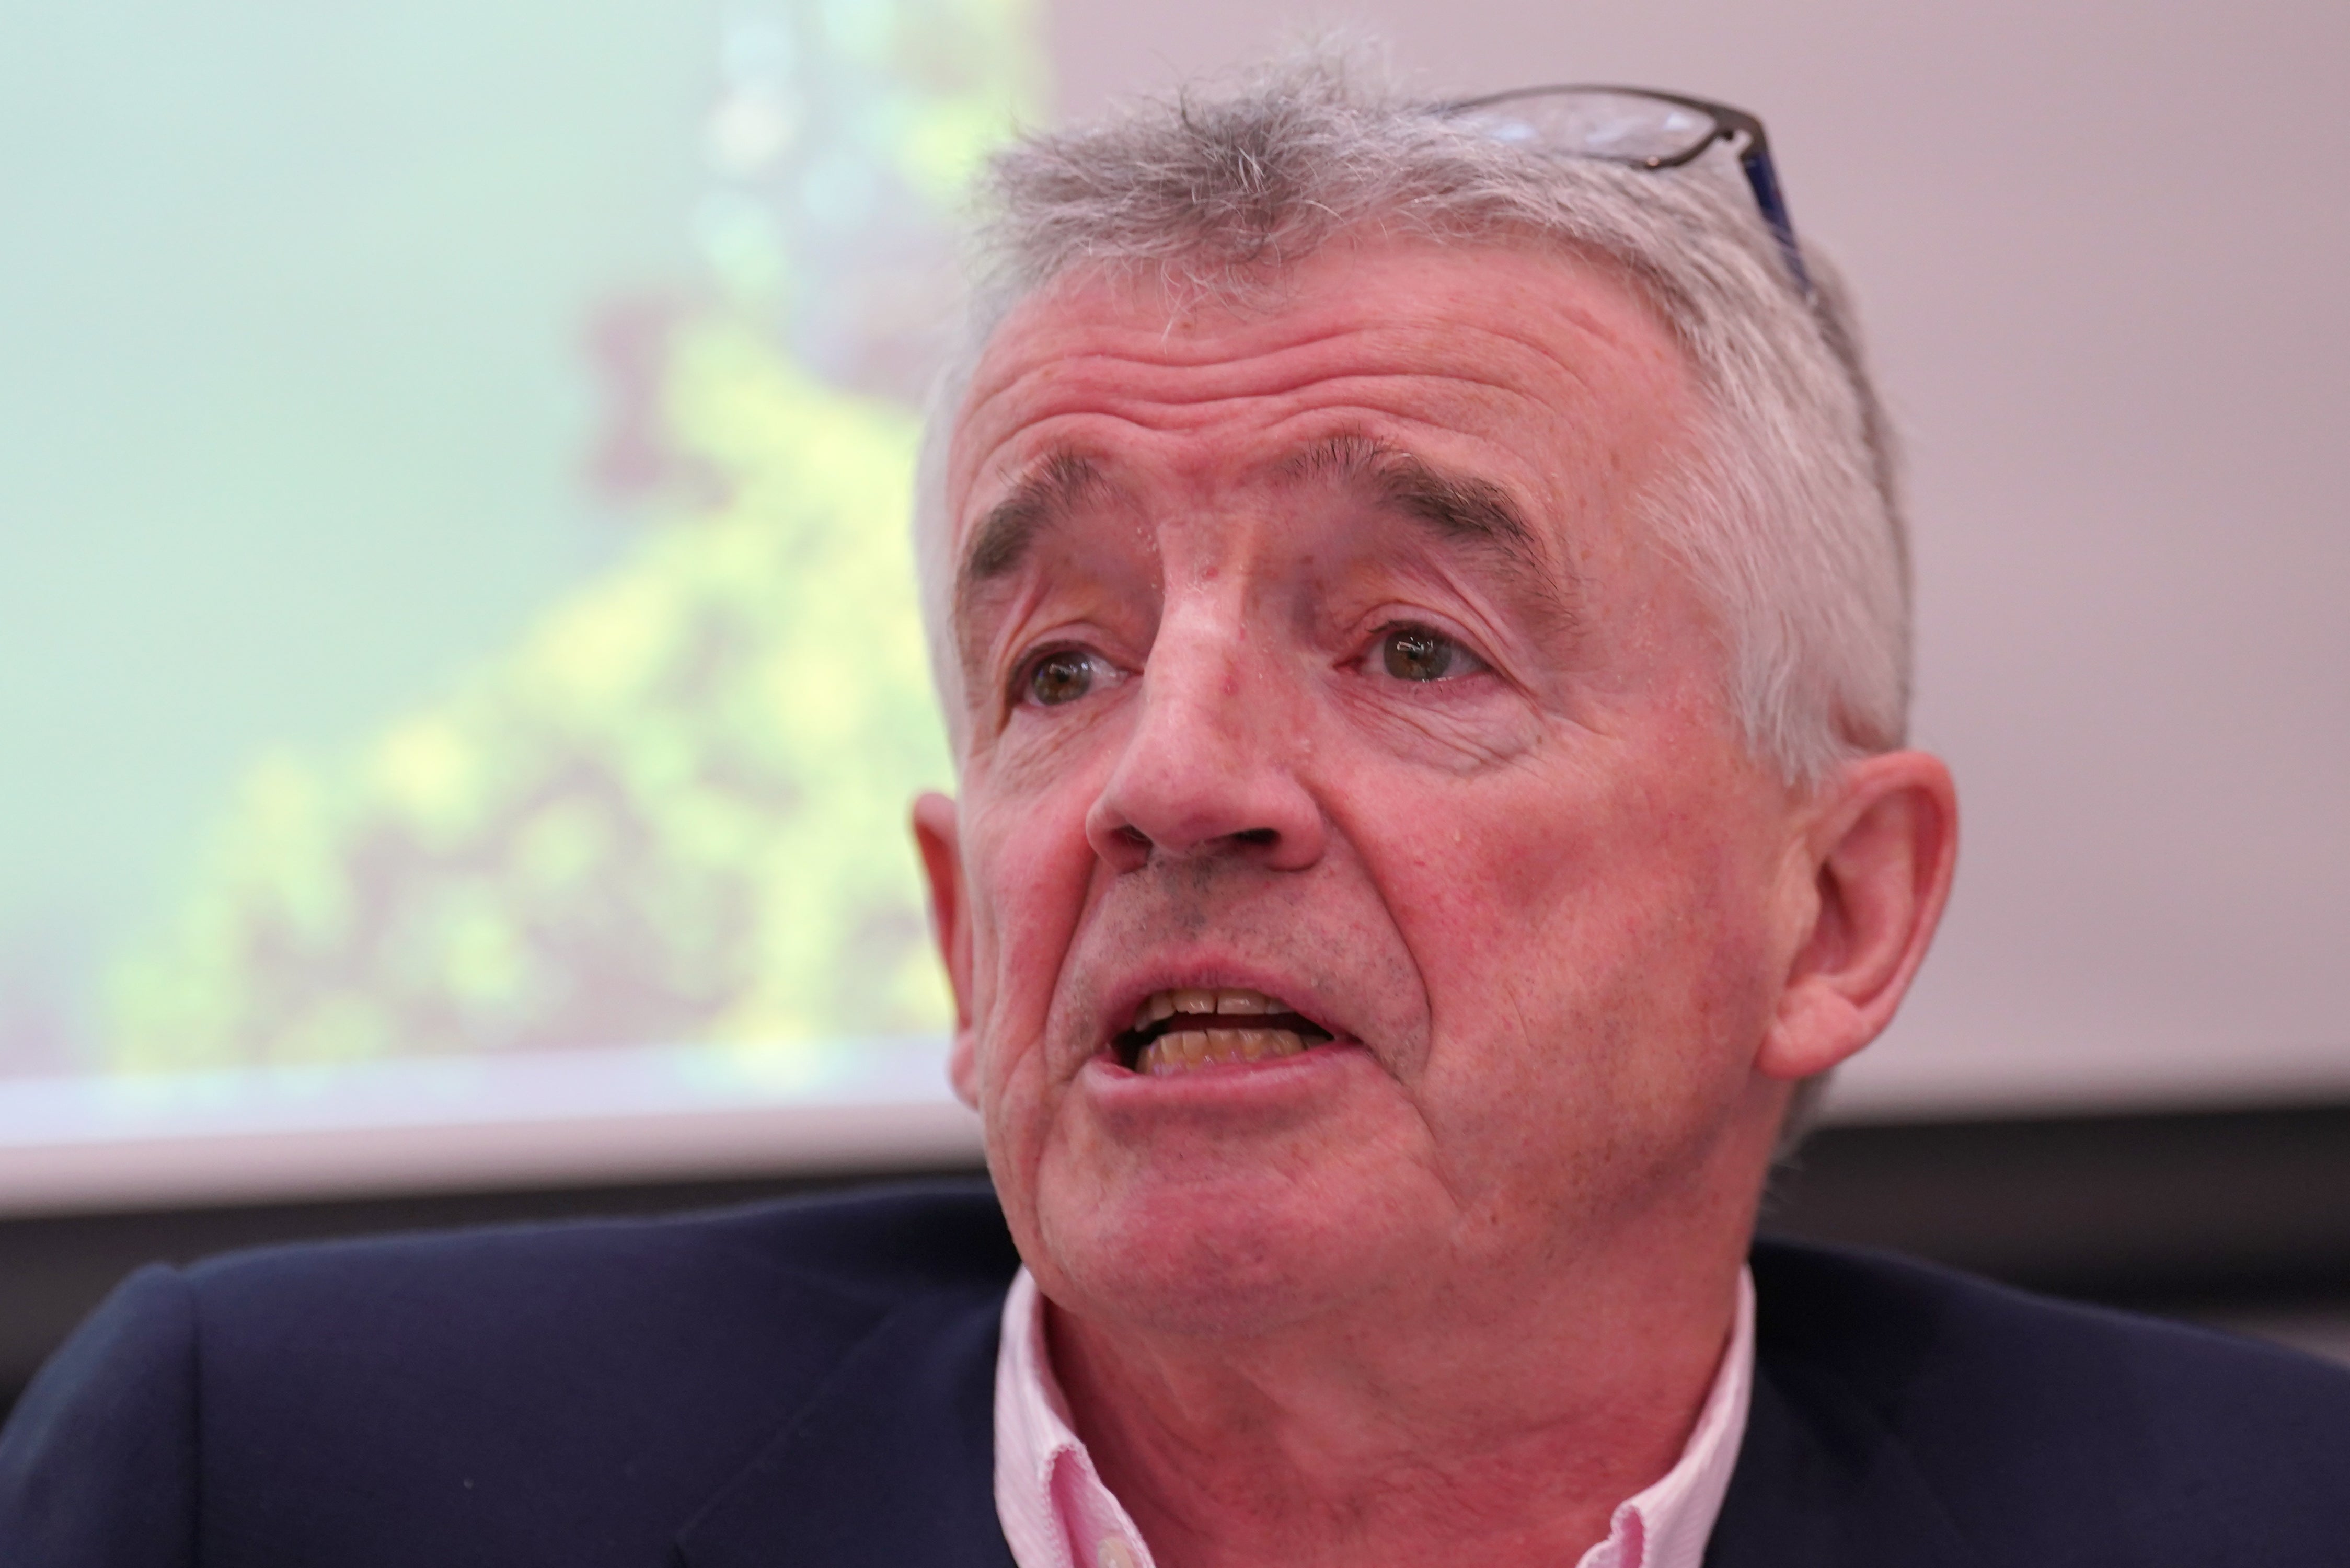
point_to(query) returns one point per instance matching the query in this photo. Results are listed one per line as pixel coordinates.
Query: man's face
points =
(1319, 659)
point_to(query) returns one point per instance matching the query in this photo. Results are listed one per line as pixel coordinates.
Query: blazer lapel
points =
(1821, 1482)
(892, 1462)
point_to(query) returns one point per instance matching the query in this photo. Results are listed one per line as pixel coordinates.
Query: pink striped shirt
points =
(1056, 1513)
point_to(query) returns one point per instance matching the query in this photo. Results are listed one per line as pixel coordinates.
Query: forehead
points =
(1545, 371)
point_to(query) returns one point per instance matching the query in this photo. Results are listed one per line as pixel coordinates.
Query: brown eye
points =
(1062, 676)
(1416, 653)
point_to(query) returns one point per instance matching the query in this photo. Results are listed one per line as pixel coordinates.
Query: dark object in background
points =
(2205, 1214)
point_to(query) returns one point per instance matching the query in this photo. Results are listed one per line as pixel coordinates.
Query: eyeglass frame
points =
(1754, 154)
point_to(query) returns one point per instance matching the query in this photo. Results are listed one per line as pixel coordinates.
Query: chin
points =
(1228, 1258)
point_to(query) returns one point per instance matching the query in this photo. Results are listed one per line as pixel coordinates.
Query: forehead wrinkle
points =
(1157, 364)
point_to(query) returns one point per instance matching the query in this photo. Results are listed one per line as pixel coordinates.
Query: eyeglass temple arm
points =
(1762, 178)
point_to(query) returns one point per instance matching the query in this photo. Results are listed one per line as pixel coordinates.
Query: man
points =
(1419, 607)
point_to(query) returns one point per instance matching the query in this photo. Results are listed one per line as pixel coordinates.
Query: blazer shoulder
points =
(2059, 1429)
(877, 1246)
(589, 1384)
(96, 1459)
(746, 1305)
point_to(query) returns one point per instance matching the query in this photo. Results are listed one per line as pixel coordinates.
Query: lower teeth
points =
(1183, 1049)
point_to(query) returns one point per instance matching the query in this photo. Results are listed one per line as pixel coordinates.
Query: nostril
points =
(1257, 836)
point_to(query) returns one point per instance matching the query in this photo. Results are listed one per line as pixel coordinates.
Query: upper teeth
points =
(1161, 1004)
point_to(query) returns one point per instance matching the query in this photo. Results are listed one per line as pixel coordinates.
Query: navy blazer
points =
(811, 1383)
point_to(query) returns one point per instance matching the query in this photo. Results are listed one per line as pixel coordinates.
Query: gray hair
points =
(1787, 517)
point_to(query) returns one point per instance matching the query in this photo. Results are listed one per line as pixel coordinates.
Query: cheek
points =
(1031, 888)
(1034, 871)
(1600, 950)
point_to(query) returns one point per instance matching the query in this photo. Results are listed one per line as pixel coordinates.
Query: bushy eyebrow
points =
(1043, 497)
(1457, 506)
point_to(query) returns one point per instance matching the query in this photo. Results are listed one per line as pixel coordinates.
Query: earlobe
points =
(938, 834)
(1882, 853)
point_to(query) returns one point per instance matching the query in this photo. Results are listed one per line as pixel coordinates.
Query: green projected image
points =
(621, 441)
(674, 810)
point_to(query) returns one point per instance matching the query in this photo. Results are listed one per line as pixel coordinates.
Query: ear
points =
(1880, 851)
(938, 832)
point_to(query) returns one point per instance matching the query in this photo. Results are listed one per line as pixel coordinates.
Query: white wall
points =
(2101, 251)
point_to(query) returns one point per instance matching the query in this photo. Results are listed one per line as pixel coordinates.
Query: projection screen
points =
(460, 679)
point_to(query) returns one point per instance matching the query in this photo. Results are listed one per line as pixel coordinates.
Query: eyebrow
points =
(1042, 498)
(1458, 506)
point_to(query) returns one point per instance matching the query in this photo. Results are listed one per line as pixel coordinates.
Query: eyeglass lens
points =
(1620, 127)
(1647, 130)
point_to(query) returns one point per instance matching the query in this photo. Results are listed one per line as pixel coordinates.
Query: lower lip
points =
(1232, 1082)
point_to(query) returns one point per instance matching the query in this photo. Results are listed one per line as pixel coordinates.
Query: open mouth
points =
(1177, 1031)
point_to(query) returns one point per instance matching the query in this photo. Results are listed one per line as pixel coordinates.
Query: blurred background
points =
(460, 681)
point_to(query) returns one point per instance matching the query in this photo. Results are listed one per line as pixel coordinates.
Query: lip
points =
(1281, 1088)
(1298, 998)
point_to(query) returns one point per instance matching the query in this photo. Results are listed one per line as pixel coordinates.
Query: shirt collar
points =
(1056, 1513)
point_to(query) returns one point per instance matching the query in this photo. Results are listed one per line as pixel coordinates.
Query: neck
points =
(1433, 1425)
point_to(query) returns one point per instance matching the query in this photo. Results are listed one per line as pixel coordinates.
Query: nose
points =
(1214, 763)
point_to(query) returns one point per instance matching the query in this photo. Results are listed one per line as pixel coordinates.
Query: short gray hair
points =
(1788, 518)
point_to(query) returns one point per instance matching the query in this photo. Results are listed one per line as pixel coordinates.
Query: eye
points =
(1064, 675)
(1419, 653)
